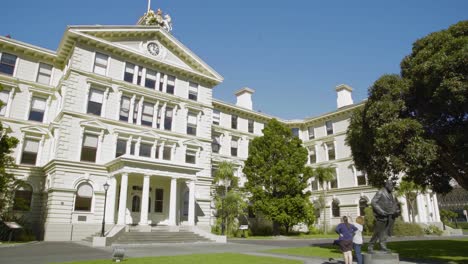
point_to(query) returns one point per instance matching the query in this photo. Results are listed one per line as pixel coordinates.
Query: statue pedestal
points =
(381, 258)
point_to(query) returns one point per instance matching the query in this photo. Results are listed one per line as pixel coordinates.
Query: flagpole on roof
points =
(149, 5)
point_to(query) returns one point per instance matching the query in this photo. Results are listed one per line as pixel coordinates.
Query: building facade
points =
(132, 107)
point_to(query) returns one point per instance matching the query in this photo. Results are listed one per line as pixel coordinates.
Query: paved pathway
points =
(49, 252)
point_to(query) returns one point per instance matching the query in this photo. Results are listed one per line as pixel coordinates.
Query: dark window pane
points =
(234, 152)
(121, 148)
(361, 179)
(145, 150)
(158, 205)
(22, 200)
(83, 203)
(167, 153)
(94, 108)
(190, 157)
(36, 116)
(150, 83)
(251, 126)
(192, 96)
(234, 122)
(7, 64)
(128, 77)
(170, 89)
(191, 130)
(215, 147)
(335, 209)
(28, 158)
(88, 154)
(136, 204)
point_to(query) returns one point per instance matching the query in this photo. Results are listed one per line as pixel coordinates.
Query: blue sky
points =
(293, 53)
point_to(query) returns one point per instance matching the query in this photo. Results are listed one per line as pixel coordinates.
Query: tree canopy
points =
(7, 180)
(416, 123)
(278, 177)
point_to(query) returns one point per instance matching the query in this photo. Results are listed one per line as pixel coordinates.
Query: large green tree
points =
(277, 177)
(7, 180)
(416, 123)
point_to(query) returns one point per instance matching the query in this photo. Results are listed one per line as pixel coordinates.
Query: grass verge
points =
(440, 250)
(225, 258)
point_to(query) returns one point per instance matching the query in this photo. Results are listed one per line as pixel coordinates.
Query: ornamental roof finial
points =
(150, 18)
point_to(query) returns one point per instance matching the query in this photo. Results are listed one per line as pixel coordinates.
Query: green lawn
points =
(225, 258)
(441, 250)
(300, 236)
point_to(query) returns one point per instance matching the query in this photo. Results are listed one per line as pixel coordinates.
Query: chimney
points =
(244, 97)
(344, 97)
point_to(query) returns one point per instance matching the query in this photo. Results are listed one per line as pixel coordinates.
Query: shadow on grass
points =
(426, 251)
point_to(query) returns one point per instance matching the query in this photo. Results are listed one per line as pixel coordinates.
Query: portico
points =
(150, 196)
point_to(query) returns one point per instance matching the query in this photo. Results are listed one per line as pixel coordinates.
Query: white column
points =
(173, 202)
(132, 108)
(421, 209)
(430, 209)
(110, 206)
(436, 208)
(123, 198)
(144, 201)
(404, 210)
(191, 211)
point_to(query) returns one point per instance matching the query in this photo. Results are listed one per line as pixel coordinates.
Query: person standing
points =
(345, 241)
(357, 239)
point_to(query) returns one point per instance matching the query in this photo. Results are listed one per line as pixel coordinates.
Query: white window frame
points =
(189, 124)
(44, 96)
(39, 72)
(102, 88)
(16, 63)
(326, 149)
(194, 90)
(94, 63)
(91, 210)
(311, 128)
(91, 131)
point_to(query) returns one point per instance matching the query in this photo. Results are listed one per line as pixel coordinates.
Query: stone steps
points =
(159, 235)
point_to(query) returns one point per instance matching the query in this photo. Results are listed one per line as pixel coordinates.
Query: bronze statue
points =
(386, 209)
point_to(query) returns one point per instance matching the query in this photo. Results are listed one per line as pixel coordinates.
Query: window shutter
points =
(31, 146)
(192, 119)
(38, 104)
(90, 141)
(96, 96)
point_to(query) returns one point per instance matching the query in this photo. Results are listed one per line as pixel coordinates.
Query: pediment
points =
(149, 134)
(95, 124)
(132, 41)
(36, 130)
(192, 143)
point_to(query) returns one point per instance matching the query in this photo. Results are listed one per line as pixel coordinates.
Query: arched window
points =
(23, 198)
(84, 197)
(335, 208)
(363, 204)
(136, 202)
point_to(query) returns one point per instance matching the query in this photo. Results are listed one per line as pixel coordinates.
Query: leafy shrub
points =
(407, 229)
(462, 225)
(264, 230)
(433, 230)
(313, 230)
(369, 221)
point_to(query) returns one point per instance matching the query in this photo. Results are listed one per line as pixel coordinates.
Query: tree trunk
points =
(276, 228)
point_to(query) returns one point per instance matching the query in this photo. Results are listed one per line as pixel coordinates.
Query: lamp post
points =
(106, 187)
